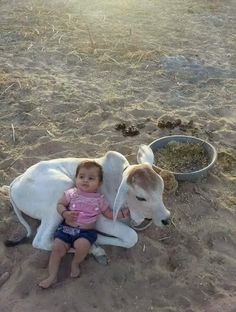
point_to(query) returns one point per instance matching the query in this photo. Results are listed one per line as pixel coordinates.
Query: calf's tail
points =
(9, 242)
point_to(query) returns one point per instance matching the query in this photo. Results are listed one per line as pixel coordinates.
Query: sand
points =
(69, 72)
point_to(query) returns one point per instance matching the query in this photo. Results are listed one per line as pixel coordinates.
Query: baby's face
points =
(88, 179)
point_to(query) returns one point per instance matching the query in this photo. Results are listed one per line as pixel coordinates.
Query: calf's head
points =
(141, 190)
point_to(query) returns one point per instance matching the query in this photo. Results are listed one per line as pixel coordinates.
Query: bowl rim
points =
(204, 169)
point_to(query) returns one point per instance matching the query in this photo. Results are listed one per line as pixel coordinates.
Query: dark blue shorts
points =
(69, 234)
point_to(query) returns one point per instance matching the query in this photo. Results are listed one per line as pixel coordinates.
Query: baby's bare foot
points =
(47, 282)
(75, 270)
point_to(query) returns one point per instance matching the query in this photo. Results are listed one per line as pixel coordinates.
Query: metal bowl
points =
(192, 176)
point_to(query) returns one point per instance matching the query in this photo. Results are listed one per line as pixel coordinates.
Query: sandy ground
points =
(69, 72)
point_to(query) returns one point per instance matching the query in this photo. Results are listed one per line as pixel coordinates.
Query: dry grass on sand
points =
(70, 71)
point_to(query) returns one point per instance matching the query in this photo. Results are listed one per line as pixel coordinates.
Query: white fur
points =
(38, 189)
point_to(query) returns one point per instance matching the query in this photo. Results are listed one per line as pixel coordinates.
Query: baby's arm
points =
(62, 205)
(122, 214)
(108, 212)
(62, 209)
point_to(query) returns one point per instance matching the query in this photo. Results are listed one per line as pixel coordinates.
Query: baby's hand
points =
(75, 215)
(71, 216)
(125, 213)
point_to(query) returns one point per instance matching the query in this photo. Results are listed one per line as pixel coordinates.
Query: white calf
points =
(138, 187)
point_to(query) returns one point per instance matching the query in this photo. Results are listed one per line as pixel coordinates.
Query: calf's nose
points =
(165, 222)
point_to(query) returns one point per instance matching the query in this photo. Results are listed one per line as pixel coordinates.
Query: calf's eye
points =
(140, 198)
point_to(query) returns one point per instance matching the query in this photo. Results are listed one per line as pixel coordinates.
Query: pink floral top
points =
(89, 205)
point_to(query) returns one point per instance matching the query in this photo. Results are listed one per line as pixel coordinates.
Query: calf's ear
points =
(145, 155)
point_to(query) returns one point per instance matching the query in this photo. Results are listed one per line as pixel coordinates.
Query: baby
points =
(80, 208)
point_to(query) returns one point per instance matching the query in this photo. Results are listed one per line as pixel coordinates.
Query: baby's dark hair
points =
(89, 164)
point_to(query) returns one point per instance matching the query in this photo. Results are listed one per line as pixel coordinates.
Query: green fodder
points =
(182, 157)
